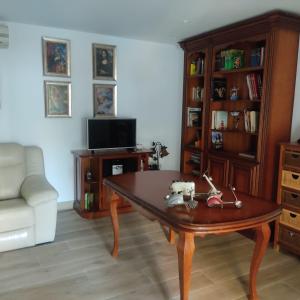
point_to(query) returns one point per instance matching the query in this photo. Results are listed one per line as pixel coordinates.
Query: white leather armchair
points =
(28, 203)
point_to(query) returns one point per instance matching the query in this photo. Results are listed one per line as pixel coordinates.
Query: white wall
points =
(149, 88)
(5, 129)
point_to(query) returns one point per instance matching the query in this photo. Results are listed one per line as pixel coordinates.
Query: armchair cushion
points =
(36, 190)
(9, 209)
(12, 170)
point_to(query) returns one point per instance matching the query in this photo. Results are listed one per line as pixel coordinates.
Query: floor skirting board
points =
(66, 205)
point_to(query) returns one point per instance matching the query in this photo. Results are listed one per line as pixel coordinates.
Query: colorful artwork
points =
(104, 62)
(58, 99)
(217, 140)
(104, 100)
(56, 57)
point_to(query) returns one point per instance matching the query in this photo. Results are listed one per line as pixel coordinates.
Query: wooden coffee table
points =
(146, 191)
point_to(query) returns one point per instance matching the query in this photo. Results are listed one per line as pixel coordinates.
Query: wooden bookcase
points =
(91, 167)
(287, 228)
(237, 138)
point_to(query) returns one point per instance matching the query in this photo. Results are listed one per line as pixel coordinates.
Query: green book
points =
(91, 201)
(86, 196)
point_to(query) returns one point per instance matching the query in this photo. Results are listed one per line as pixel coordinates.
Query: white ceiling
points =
(167, 21)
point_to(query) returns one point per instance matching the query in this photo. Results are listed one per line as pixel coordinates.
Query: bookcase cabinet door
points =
(218, 170)
(243, 177)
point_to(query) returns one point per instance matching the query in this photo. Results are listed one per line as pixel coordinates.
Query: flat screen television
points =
(111, 133)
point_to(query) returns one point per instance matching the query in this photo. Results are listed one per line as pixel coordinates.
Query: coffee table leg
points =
(262, 240)
(185, 249)
(115, 222)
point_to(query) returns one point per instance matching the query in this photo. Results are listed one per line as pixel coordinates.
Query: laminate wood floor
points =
(78, 265)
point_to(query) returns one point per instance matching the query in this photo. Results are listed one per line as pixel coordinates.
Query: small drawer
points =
(290, 198)
(292, 158)
(291, 179)
(289, 237)
(290, 218)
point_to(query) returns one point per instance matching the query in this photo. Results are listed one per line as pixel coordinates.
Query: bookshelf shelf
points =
(196, 76)
(193, 103)
(240, 70)
(194, 127)
(242, 111)
(235, 131)
(192, 162)
(237, 101)
(231, 155)
(238, 105)
(91, 181)
(192, 148)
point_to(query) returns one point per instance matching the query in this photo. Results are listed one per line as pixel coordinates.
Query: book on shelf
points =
(247, 155)
(251, 119)
(197, 66)
(234, 59)
(217, 140)
(193, 67)
(193, 116)
(88, 201)
(229, 59)
(257, 57)
(195, 158)
(254, 120)
(262, 56)
(218, 88)
(219, 119)
(200, 66)
(254, 84)
(219, 61)
(197, 93)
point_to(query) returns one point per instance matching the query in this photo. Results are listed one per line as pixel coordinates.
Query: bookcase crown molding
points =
(256, 25)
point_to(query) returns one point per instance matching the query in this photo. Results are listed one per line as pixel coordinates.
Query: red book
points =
(249, 87)
(259, 84)
(254, 86)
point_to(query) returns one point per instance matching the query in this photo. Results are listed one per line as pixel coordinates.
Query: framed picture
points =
(57, 99)
(56, 57)
(105, 100)
(104, 62)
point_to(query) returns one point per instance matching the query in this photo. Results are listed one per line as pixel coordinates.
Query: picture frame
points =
(105, 100)
(56, 57)
(104, 62)
(57, 99)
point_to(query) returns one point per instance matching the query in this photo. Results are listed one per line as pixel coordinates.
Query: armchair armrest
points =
(36, 190)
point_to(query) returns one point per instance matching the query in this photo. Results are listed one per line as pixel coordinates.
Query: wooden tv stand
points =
(91, 167)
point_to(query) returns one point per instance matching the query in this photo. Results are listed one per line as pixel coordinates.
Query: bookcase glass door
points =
(195, 93)
(236, 96)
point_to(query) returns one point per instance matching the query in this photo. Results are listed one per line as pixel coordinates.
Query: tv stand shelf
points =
(91, 167)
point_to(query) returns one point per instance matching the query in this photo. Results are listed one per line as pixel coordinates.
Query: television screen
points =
(111, 133)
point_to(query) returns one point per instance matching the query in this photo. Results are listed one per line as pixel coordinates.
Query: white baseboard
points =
(66, 205)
